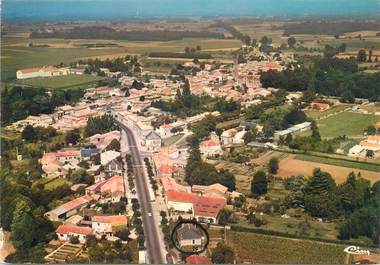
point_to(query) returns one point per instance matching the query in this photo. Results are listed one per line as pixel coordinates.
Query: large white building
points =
(45, 71)
(147, 139)
(298, 128)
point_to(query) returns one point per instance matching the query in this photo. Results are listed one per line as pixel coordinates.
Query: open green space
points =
(56, 183)
(339, 162)
(345, 123)
(258, 248)
(64, 81)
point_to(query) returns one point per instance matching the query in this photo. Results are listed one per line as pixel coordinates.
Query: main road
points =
(150, 226)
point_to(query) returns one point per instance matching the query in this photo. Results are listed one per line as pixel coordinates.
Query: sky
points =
(67, 10)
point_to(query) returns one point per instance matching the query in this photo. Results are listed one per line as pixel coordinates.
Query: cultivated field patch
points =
(258, 248)
(290, 166)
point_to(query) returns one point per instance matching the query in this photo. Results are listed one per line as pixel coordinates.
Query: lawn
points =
(258, 248)
(64, 81)
(56, 184)
(345, 123)
(225, 125)
(339, 162)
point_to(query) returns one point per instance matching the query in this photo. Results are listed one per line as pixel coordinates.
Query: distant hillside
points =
(328, 27)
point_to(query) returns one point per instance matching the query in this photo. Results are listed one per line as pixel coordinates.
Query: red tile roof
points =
(169, 184)
(112, 219)
(202, 205)
(114, 184)
(69, 229)
(208, 206)
(68, 206)
(210, 143)
(176, 196)
(68, 152)
(320, 106)
(196, 259)
(102, 88)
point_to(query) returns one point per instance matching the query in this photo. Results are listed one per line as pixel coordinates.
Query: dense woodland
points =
(328, 27)
(353, 205)
(106, 33)
(100, 125)
(20, 102)
(327, 76)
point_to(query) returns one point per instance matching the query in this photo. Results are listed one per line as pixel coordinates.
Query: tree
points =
(123, 234)
(273, 165)
(72, 136)
(24, 227)
(247, 40)
(29, 133)
(114, 145)
(370, 52)
(315, 135)
(99, 125)
(288, 139)
(320, 195)
(223, 254)
(371, 130)
(224, 216)
(370, 153)
(291, 42)
(362, 56)
(259, 184)
(249, 136)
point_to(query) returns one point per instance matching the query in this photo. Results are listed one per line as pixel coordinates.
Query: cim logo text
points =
(356, 250)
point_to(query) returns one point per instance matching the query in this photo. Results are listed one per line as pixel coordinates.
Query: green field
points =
(339, 162)
(258, 248)
(16, 54)
(345, 123)
(64, 81)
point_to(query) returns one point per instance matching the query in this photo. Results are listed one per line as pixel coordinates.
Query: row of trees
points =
(149, 169)
(362, 56)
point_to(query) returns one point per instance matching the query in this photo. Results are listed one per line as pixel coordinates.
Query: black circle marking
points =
(195, 250)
